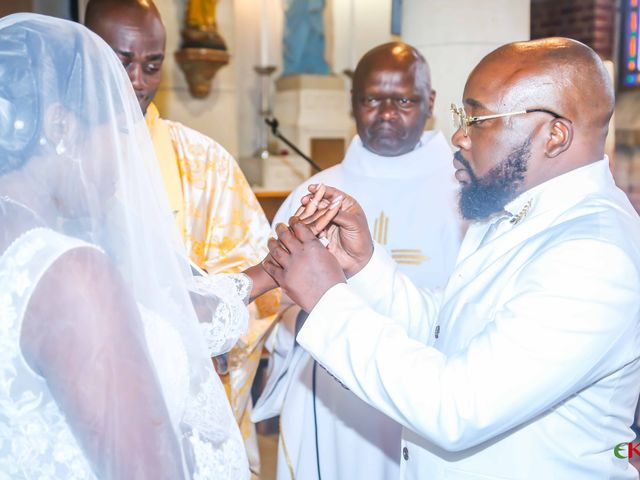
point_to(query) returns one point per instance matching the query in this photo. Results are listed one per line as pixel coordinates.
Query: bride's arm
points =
(220, 308)
(220, 302)
(261, 281)
(83, 333)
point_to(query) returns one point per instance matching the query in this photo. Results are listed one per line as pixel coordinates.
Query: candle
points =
(352, 39)
(264, 34)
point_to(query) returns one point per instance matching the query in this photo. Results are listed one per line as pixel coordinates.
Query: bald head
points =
(391, 98)
(99, 10)
(395, 55)
(561, 74)
(134, 30)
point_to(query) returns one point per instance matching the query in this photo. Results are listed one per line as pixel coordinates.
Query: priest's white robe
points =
(411, 204)
(527, 366)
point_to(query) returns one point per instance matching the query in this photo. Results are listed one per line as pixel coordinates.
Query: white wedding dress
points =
(36, 441)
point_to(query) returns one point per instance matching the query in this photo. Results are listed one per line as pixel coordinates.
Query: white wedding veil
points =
(77, 168)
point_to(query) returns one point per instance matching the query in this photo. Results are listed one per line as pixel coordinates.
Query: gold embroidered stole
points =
(400, 255)
(168, 163)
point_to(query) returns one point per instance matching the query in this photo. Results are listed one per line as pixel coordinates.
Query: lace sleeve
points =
(221, 304)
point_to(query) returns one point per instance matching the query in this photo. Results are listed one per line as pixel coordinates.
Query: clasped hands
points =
(301, 264)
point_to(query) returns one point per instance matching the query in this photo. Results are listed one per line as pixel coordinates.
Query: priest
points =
(223, 227)
(390, 166)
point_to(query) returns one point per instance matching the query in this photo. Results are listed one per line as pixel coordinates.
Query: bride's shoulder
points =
(38, 242)
(80, 303)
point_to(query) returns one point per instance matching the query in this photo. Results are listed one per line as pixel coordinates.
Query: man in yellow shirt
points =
(223, 227)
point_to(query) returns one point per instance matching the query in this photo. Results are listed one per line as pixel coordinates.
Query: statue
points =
(201, 29)
(202, 51)
(304, 38)
(201, 14)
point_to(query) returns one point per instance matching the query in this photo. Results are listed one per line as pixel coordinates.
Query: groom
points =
(528, 363)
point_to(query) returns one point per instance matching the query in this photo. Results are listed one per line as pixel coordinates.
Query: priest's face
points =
(138, 38)
(391, 106)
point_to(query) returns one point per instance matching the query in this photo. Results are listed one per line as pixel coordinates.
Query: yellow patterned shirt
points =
(224, 230)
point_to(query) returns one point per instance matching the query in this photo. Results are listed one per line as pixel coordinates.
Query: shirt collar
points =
(428, 155)
(562, 191)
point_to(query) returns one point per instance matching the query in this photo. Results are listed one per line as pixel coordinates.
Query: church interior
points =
(246, 82)
(225, 79)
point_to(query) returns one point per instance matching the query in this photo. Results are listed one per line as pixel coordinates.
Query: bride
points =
(105, 338)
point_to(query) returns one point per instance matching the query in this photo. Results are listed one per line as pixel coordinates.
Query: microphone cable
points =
(315, 416)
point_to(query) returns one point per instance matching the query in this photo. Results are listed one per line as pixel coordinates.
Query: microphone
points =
(273, 123)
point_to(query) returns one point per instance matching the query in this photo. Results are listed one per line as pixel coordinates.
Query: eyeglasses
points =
(463, 121)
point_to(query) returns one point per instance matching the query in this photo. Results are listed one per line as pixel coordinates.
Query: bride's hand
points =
(311, 203)
(344, 225)
(314, 208)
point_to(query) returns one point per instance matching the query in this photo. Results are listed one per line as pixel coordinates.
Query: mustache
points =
(467, 166)
(387, 125)
(458, 156)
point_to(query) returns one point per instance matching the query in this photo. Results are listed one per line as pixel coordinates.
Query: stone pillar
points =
(454, 36)
(358, 26)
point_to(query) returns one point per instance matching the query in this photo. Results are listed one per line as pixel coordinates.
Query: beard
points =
(485, 196)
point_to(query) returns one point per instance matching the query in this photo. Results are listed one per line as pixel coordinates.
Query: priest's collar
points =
(432, 153)
(562, 191)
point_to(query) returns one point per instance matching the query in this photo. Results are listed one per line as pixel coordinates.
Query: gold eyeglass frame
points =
(463, 121)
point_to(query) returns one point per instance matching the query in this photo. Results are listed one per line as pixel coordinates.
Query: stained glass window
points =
(630, 61)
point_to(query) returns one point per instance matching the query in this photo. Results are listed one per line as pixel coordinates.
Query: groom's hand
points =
(301, 265)
(345, 228)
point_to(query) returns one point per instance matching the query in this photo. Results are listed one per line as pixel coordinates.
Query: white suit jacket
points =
(527, 364)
